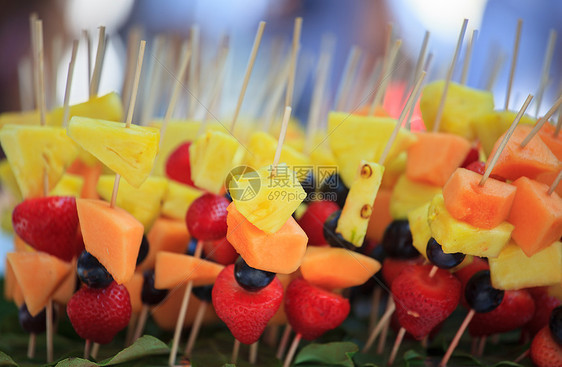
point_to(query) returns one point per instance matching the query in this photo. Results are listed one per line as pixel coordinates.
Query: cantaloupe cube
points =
(90, 174)
(409, 195)
(69, 185)
(39, 275)
(380, 218)
(65, 291)
(552, 141)
(166, 234)
(279, 252)
(334, 268)
(435, 156)
(419, 227)
(535, 215)
(171, 270)
(129, 152)
(530, 161)
(485, 206)
(513, 269)
(12, 290)
(178, 199)
(548, 179)
(143, 203)
(112, 235)
(456, 236)
(393, 170)
(134, 286)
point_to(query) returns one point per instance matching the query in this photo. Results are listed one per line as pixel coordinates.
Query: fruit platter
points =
(361, 237)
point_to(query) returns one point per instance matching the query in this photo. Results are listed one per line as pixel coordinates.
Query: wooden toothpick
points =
(347, 77)
(193, 82)
(388, 68)
(284, 124)
(539, 124)
(95, 82)
(555, 183)
(42, 104)
(293, 67)
(248, 73)
(86, 35)
(545, 69)
(197, 322)
(391, 306)
(505, 140)
(468, 56)
(513, 62)
(68, 87)
(419, 65)
(441, 107)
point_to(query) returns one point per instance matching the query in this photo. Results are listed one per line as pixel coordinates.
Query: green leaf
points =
(144, 346)
(6, 360)
(507, 364)
(333, 354)
(76, 362)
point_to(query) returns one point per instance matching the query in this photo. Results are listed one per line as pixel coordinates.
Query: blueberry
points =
(555, 324)
(333, 189)
(397, 240)
(91, 272)
(143, 250)
(378, 253)
(227, 196)
(308, 183)
(150, 295)
(480, 294)
(440, 259)
(191, 246)
(251, 279)
(204, 293)
(335, 239)
(33, 324)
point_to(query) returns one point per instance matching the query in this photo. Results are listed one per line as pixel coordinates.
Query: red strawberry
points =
(472, 156)
(544, 304)
(480, 167)
(49, 224)
(178, 167)
(312, 311)
(392, 268)
(312, 221)
(545, 352)
(467, 272)
(423, 302)
(220, 251)
(98, 314)
(206, 217)
(515, 310)
(245, 313)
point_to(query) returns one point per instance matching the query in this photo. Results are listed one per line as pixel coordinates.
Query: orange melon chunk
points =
(547, 179)
(134, 286)
(280, 252)
(112, 235)
(91, 175)
(65, 291)
(530, 161)
(535, 215)
(435, 156)
(484, 206)
(173, 269)
(38, 275)
(333, 268)
(554, 143)
(380, 217)
(165, 235)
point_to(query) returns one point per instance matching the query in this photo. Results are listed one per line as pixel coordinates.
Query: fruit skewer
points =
(513, 62)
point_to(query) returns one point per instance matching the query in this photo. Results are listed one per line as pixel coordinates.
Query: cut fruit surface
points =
(39, 285)
(380, 218)
(69, 185)
(90, 174)
(409, 195)
(261, 151)
(178, 199)
(172, 270)
(111, 235)
(134, 286)
(67, 288)
(279, 252)
(165, 235)
(419, 226)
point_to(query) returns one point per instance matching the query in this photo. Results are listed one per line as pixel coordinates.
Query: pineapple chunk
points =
(178, 199)
(261, 151)
(267, 201)
(490, 126)
(515, 270)
(409, 195)
(462, 105)
(143, 203)
(358, 207)
(212, 157)
(456, 236)
(419, 226)
(355, 138)
(69, 185)
(393, 170)
(129, 152)
(34, 151)
(8, 180)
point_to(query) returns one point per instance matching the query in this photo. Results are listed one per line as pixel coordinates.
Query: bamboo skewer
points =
(513, 63)
(388, 67)
(56, 51)
(284, 341)
(467, 57)
(86, 35)
(457, 338)
(31, 345)
(427, 67)
(396, 346)
(155, 73)
(34, 59)
(539, 124)
(385, 325)
(197, 322)
(254, 353)
(68, 87)
(193, 69)
(347, 77)
(419, 65)
(219, 82)
(292, 350)
(284, 124)
(549, 53)
(235, 351)
(95, 81)
(390, 307)
(293, 67)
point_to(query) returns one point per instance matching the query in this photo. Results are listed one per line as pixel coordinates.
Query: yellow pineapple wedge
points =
(34, 151)
(355, 138)
(261, 151)
(462, 105)
(409, 195)
(8, 180)
(178, 199)
(212, 156)
(129, 152)
(143, 203)
(267, 201)
(358, 207)
(512, 269)
(419, 226)
(69, 185)
(490, 126)
(456, 236)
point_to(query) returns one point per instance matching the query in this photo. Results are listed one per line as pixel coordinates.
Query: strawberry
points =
(220, 251)
(472, 156)
(480, 167)
(98, 314)
(245, 313)
(545, 352)
(544, 304)
(312, 311)
(312, 221)
(206, 217)
(423, 302)
(178, 167)
(515, 310)
(49, 224)
(393, 267)
(467, 272)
